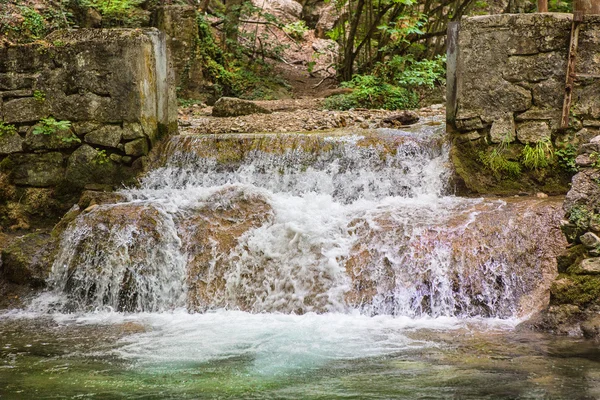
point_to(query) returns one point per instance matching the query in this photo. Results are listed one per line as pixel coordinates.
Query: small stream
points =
(307, 266)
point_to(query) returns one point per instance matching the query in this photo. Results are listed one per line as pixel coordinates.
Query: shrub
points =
(408, 72)
(48, 126)
(496, 161)
(373, 92)
(296, 29)
(6, 129)
(538, 156)
(566, 158)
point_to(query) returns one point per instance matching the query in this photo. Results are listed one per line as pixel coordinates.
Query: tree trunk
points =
(349, 53)
(231, 26)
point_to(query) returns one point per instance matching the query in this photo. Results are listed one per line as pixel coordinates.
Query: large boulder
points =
(28, 259)
(232, 107)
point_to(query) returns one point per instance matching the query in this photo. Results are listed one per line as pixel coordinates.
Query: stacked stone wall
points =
(80, 109)
(506, 82)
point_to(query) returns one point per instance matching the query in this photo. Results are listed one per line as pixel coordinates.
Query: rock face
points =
(575, 295)
(506, 77)
(27, 260)
(79, 108)
(233, 107)
(478, 253)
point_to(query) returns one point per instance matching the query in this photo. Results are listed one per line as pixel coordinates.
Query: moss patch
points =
(583, 290)
(475, 179)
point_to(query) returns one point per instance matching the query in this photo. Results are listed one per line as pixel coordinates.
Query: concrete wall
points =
(180, 25)
(506, 81)
(114, 87)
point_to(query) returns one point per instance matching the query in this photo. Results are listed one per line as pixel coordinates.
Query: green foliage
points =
(48, 126)
(580, 217)
(232, 76)
(33, 24)
(101, 157)
(408, 72)
(296, 29)
(116, 12)
(538, 156)
(496, 161)
(39, 96)
(566, 158)
(7, 129)
(373, 92)
(560, 6)
(71, 139)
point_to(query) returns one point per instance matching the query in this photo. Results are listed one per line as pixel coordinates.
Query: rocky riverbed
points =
(292, 115)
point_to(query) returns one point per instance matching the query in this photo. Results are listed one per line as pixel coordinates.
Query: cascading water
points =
(301, 266)
(305, 223)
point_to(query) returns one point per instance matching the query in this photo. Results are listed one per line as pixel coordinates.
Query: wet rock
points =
(403, 118)
(374, 273)
(91, 197)
(591, 327)
(123, 246)
(28, 259)
(216, 229)
(561, 320)
(233, 107)
(60, 227)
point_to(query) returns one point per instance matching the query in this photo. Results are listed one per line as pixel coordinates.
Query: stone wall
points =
(180, 25)
(506, 83)
(80, 109)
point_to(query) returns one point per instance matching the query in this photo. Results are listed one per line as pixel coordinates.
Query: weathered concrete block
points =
(112, 85)
(535, 67)
(179, 23)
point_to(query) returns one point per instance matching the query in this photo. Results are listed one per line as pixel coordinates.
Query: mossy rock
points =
(579, 290)
(28, 259)
(472, 177)
(572, 256)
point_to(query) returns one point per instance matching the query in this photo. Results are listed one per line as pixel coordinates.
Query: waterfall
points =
(302, 223)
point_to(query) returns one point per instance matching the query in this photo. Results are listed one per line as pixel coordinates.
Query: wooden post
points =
(542, 6)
